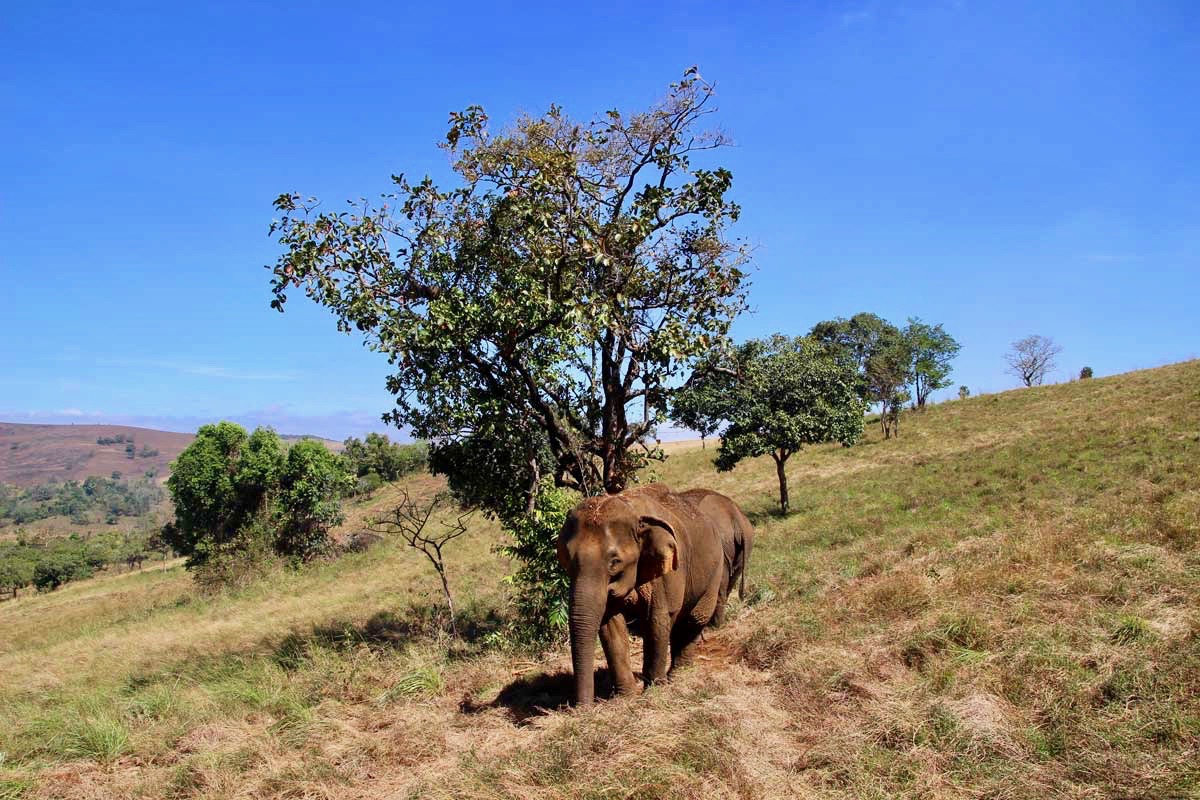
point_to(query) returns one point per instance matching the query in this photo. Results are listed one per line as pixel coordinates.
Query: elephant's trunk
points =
(588, 599)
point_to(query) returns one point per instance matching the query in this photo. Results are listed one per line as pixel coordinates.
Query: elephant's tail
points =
(747, 543)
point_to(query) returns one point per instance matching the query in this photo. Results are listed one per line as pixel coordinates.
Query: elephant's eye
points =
(614, 565)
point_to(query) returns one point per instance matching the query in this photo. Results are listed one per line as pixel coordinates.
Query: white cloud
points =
(201, 370)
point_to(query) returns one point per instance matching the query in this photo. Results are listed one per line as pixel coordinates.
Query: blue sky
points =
(1003, 168)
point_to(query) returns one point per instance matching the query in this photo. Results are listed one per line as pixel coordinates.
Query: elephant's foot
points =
(627, 691)
(685, 660)
(661, 680)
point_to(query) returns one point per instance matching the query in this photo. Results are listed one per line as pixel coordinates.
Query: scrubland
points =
(1002, 603)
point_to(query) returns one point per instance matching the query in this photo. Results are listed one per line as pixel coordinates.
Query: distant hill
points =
(32, 454)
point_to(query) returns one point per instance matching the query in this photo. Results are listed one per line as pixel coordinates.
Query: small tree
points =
(779, 394)
(410, 519)
(209, 507)
(889, 416)
(15, 573)
(964, 392)
(932, 351)
(1032, 358)
(1085, 373)
(240, 496)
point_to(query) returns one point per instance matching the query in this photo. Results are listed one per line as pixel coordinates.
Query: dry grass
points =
(1003, 603)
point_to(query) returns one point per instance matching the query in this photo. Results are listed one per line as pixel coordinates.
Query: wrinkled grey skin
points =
(665, 559)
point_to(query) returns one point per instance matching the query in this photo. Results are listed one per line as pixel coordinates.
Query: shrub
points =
(312, 483)
(61, 566)
(539, 584)
(232, 492)
(1085, 373)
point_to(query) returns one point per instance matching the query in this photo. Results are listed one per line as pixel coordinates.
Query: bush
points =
(388, 460)
(62, 566)
(238, 563)
(367, 485)
(1085, 373)
(312, 484)
(234, 492)
(539, 584)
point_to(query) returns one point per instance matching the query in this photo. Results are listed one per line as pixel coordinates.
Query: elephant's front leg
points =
(614, 637)
(656, 642)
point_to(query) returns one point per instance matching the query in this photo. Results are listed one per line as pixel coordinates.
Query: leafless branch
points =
(409, 519)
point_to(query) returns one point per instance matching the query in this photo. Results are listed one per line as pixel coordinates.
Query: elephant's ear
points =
(564, 557)
(660, 550)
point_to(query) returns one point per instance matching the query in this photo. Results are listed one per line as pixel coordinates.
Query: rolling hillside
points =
(32, 454)
(1003, 603)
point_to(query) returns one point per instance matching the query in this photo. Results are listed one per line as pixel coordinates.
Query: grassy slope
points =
(1003, 603)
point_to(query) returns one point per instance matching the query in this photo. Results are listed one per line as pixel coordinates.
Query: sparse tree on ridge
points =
(884, 357)
(577, 270)
(778, 394)
(1085, 373)
(1032, 358)
(964, 392)
(932, 350)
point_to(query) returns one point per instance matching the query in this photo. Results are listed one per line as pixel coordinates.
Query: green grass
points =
(1004, 602)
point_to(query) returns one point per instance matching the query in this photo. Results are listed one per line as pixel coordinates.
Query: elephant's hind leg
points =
(685, 638)
(614, 637)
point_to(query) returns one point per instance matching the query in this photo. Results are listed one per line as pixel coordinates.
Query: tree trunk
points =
(588, 597)
(449, 601)
(784, 503)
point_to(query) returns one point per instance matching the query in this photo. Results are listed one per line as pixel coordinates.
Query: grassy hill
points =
(1005, 602)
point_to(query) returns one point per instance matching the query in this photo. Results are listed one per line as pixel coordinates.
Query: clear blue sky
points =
(1004, 168)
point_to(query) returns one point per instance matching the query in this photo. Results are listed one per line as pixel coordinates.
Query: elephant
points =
(666, 560)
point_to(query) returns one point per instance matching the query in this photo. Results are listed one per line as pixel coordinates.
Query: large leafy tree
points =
(777, 395)
(932, 351)
(560, 289)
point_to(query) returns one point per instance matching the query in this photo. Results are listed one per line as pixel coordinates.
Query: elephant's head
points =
(609, 546)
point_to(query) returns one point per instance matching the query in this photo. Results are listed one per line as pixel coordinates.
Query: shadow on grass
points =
(532, 696)
(763, 516)
(388, 630)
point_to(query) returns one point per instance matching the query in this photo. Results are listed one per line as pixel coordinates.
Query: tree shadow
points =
(767, 515)
(532, 696)
(388, 630)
